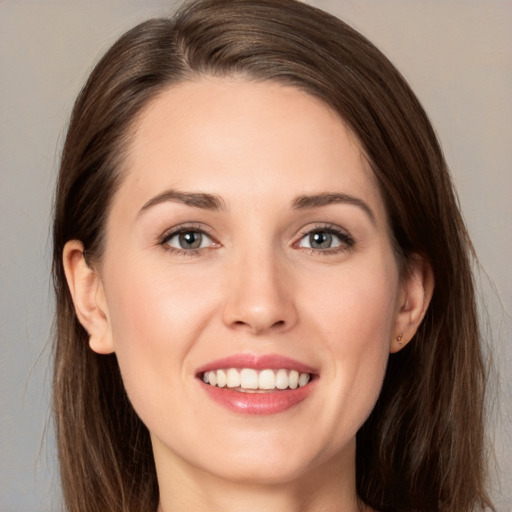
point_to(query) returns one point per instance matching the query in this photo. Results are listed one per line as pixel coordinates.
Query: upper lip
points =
(257, 362)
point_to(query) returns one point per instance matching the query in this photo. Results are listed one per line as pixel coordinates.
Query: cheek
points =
(151, 305)
(355, 320)
(355, 307)
(155, 320)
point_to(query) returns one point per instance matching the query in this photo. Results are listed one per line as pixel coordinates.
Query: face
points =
(248, 246)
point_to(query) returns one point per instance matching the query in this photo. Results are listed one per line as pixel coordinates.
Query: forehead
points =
(239, 138)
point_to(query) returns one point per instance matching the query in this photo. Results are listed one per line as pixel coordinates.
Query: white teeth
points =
(233, 378)
(248, 378)
(282, 380)
(212, 378)
(294, 379)
(221, 378)
(303, 379)
(267, 380)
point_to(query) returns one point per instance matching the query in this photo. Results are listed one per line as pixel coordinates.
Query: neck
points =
(329, 487)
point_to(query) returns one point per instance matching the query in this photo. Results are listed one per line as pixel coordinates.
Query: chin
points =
(275, 460)
(258, 471)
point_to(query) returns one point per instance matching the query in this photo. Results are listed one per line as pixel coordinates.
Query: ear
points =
(88, 297)
(416, 290)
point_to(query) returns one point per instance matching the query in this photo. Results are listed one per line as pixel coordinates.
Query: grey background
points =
(457, 55)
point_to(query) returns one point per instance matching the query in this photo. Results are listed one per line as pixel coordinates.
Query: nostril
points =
(256, 327)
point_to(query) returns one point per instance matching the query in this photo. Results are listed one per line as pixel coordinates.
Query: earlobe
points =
(416, 292)
(88, 297)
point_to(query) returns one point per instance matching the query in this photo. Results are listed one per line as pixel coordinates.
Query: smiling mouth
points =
(249, 380)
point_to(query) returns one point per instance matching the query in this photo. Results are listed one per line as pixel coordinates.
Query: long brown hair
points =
(422, 447)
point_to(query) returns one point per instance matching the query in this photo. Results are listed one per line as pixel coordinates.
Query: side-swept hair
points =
(422, 447)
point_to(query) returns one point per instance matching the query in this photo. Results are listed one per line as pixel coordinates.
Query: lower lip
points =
(270, 402)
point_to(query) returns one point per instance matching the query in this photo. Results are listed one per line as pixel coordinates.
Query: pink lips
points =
(256, 362)
(261, 403)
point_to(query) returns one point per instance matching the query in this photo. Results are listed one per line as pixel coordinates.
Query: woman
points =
(252, 213)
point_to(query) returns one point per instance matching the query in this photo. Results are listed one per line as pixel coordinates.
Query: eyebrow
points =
(327, 198)
(194, 199)
(213, 202)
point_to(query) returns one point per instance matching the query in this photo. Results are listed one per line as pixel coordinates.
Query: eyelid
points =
(347, 242)
(170, 233)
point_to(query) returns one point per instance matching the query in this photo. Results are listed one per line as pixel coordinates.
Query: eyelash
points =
(190, 228)
(346, 241)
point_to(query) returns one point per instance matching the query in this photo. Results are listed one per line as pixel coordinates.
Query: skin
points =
(254, 287)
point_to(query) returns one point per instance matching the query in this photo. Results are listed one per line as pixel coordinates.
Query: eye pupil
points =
(190, 240)
(320, 240)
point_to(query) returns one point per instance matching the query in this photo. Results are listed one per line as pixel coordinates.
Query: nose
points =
(259, 295)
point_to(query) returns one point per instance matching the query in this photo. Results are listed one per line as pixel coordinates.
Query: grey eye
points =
(189, 240)
(320, 239)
